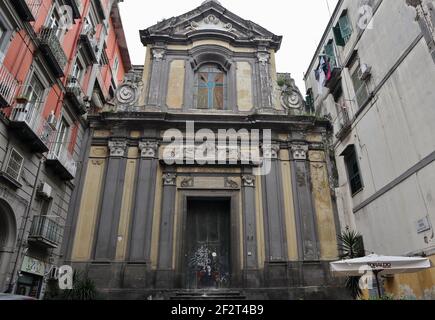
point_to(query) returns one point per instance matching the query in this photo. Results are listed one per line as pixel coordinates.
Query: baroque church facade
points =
(143, 226)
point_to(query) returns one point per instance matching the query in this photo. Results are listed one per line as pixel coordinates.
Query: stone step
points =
(208, 295)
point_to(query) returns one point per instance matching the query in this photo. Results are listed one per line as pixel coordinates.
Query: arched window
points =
(210, 88)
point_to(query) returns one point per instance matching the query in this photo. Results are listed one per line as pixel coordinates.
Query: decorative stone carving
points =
(159, 54)
(211, 22)
(117, 148)
(188, 182)
(229, 183)
(97, 162)
(169, 179)
(248, 181)
(290, 95)
(148, 149)
(270, 151)
(263, 57)
(300, 152)
(127, 93)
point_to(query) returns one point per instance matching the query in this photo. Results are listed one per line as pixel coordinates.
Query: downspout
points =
(12, 283)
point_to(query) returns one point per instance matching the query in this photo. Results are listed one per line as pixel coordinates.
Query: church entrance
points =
(207, 239)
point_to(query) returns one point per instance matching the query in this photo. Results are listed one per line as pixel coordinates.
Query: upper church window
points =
(210, 88)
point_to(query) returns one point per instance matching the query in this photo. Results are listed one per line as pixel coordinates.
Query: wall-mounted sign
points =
(33, 266)
(423, 225)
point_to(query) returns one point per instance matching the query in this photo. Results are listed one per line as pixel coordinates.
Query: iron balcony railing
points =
(343, 122)
(28, 113)
(45, 231)
(34, 6)
(65, 158)
(76, 95)
(8, 87)
(27, 9)
(52, 48)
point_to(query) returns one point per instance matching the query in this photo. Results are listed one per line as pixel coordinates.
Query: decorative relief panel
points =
(211, 22)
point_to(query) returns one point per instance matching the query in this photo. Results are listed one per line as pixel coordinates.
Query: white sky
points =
(300, 22)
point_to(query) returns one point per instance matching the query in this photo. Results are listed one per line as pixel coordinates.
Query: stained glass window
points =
(210, 88)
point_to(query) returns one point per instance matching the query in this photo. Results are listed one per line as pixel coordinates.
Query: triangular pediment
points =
(211, 19)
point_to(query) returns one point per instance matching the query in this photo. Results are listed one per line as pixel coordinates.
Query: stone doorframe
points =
(235, 232)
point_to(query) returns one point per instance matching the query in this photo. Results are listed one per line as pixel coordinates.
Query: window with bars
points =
(343, 30)
(353, 170)
(14, 165)
(210, 88)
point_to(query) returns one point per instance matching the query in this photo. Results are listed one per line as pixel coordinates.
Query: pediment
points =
(208, 19)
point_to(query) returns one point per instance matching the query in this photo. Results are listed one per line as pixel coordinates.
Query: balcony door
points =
(62, 138)
(34, 94)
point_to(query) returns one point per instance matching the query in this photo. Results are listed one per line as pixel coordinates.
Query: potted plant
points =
(23, 98)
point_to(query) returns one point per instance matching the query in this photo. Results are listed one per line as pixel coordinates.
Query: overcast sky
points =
(300, 22)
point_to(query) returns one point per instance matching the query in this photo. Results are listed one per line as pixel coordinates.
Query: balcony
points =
(8, 87)
(75, 8)
(31, 127)
(62, 163)
(51, 48)
(27, 9)
(344, 123)
(75, 95)
(335, 76)
(45, 232)
(89, 45)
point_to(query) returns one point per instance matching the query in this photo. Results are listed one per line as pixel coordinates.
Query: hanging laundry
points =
(323, 73)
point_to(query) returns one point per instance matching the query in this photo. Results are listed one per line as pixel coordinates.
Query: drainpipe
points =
(12, 283)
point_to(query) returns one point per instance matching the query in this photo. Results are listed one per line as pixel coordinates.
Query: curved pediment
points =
(210, 20)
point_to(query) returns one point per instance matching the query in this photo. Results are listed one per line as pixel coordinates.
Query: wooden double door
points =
(208, 233)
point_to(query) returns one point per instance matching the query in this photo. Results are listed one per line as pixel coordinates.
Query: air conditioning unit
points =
(364, 72)
(52, 121)
(45, 190)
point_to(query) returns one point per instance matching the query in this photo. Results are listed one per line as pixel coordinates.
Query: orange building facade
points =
(59, 60)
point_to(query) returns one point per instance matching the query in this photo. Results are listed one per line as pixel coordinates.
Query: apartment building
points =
(373, 76)
(59, 60)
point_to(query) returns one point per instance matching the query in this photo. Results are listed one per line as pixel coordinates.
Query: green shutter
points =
(338, 38)
(329, 51)
(345, 28)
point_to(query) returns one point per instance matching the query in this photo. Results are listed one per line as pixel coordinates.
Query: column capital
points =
(170, 179)
(158, 54)
(148, 149)
(248, 181)
(270, 150)
(117, 148)
(299, 152)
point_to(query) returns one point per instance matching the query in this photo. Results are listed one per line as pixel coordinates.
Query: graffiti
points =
(207, 268)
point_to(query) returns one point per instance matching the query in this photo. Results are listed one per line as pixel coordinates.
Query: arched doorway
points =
(8, 236)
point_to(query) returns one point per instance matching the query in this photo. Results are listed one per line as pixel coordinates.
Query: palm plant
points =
(351, 246)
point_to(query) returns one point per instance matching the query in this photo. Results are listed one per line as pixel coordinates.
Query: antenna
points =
(329, 9)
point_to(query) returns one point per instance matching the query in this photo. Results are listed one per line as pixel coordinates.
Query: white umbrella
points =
(379, 265)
